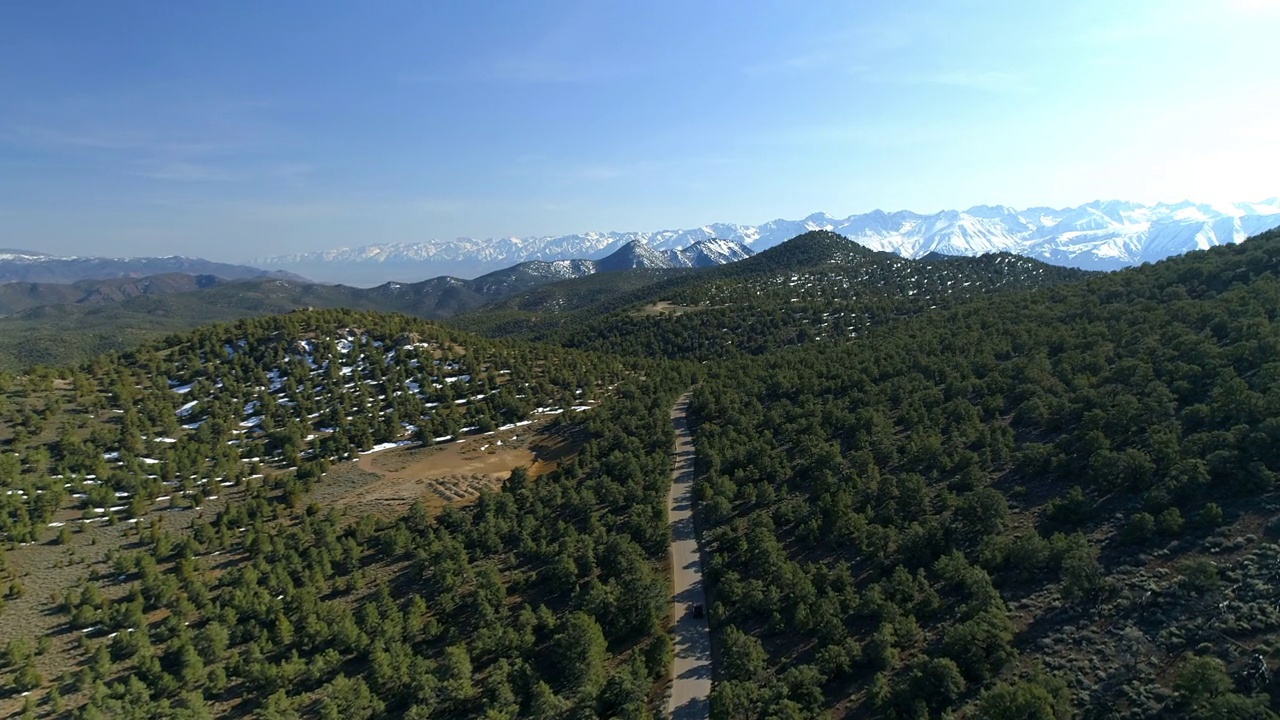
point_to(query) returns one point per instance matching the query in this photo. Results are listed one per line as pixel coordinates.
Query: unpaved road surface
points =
(691, 672)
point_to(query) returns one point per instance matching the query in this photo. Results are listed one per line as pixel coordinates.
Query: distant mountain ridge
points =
(36, 267)
(19, 296)
(1101, 235)
(438, 297)
(527, 275)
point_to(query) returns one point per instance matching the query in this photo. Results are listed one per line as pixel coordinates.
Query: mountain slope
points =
(32, 267)
(1102, 235)
(817, 286)
(709, 253)
(18, 296)
(54, 324)
(635, 255)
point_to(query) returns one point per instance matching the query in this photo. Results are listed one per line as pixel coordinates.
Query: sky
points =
(234, 130)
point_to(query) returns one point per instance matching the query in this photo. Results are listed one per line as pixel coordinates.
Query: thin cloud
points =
(189, 146)
(853, 135)
(988, 80)
(530, 70)
(111, 140)
(611, 171)
(853, 49)
(192, 171)
(184, 172)
(803, 62)
(573, 171)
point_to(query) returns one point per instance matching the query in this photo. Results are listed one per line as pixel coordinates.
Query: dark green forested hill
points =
(55, 324)
(164, 559)
(816, 287)
(19, 296)
(1049, 504)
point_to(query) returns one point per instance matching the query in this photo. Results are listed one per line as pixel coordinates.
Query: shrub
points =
(1170, 522)
(1140, 528)
(1210, 516)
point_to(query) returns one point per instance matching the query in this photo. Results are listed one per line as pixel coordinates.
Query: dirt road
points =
(691, 672)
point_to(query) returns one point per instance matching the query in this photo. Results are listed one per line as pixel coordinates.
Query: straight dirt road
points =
(691, 672)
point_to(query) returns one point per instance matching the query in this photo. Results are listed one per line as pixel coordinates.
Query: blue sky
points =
(233, 130)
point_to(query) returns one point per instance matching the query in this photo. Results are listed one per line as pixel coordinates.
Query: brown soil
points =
(664, 307)
(388, 482)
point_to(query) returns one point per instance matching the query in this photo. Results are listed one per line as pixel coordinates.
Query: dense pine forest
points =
(953, 487)
(1037, 505)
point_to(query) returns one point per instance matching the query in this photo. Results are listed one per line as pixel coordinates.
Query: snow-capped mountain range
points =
(632, 256)
(1101, 235)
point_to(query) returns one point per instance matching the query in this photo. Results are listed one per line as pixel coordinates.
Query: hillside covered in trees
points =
(1049, 504)
(816, 287)
(953, 487)
(192, 461)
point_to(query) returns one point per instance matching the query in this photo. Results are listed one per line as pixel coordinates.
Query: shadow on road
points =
(695, 709)
(683, 529)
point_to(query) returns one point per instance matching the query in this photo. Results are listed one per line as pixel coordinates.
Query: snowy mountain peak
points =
(990, 212)
(703, 253)
(716, 251)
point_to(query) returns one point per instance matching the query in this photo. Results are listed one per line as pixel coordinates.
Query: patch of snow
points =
(386, 446)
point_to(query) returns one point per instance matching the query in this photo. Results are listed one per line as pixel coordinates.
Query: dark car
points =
(698, 611)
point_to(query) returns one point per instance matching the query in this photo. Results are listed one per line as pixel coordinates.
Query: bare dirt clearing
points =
(666, 307)
(390, 481)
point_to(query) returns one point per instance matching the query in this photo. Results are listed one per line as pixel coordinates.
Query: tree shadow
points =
(695, 709)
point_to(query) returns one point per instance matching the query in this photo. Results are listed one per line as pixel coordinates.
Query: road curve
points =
(690, 697)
